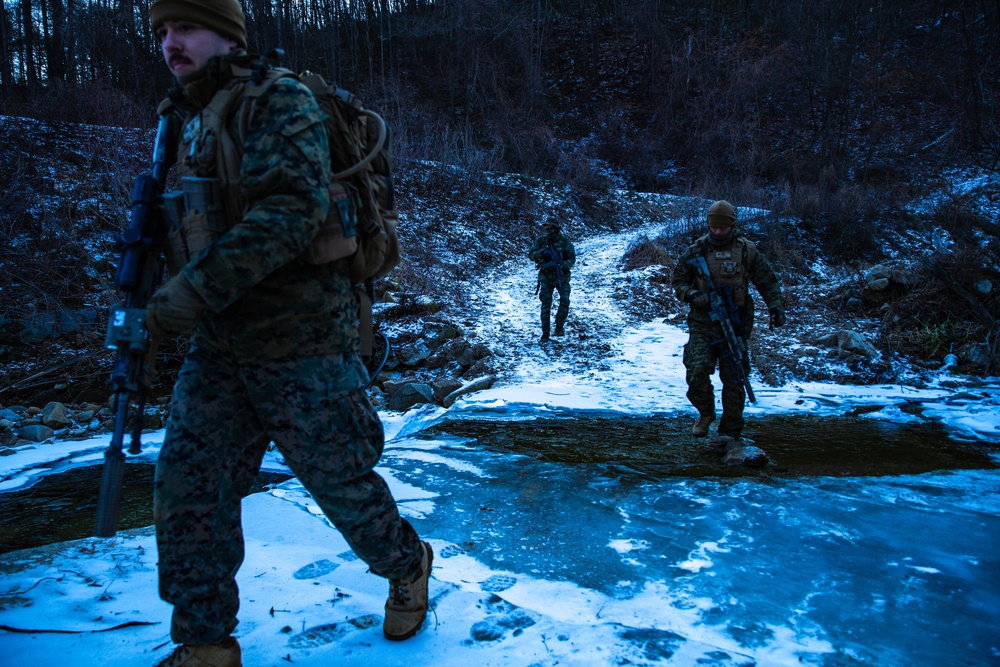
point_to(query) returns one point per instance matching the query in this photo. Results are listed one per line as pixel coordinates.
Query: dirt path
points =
(507, 310)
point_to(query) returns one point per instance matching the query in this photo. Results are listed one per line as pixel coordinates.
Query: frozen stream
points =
(550, 555)
(887, 570)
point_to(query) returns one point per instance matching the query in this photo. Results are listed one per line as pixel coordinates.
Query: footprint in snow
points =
(497, 583)
(316, 570)
(450, 551)
(502, 618)
(328, 633)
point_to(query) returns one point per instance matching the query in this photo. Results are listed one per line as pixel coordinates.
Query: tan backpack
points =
(361, 155)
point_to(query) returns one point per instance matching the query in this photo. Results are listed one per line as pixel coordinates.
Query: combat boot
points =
(406, 607)
(700, 428)
(205, 655)
(544, 338)
(559, 330)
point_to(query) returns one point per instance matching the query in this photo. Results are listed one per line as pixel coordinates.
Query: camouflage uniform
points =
(274, 359)
(553, 278)
(705, 347)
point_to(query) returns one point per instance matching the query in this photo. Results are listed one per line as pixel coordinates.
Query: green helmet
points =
(721, 214)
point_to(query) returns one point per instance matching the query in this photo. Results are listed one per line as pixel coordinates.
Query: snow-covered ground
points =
(541, 562)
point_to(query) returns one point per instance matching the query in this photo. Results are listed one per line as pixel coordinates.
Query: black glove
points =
(777, 317)
(698, 299)
(547, 254)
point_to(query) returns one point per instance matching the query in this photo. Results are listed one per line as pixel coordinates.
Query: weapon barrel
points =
(109, 507)
(109, 502)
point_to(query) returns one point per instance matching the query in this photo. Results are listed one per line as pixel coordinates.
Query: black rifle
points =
(723, 311)
(140, 270)
(554, 261)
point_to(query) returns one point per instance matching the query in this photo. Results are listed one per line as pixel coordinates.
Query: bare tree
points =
(6, 52)
(28, 45)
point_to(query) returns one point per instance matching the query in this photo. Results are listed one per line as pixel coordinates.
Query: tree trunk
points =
(28, 28)
(6, 61)
(72, 69)
(55, 45)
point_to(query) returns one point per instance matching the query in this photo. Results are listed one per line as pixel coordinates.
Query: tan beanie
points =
(721, 214)
(222, 16)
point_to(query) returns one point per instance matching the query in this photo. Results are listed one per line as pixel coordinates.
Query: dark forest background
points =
(809, 104)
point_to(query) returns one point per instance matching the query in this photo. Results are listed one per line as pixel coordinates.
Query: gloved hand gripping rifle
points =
(140, 270)
(553, 260)
(726, 315)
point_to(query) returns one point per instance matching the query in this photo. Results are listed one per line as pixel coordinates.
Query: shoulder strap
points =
(229, 150)
(166, 105)
(236, 97)
(252, 91)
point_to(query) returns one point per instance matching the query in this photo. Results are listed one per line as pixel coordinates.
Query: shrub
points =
(645, 252)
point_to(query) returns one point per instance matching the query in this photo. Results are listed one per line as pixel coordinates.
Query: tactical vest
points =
(209, 158)
(729, 267)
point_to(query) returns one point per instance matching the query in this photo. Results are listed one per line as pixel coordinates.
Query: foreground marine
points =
(274, 347)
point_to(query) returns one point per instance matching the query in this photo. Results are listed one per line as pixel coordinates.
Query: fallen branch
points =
(20, 591)
(938, 140)
(76, 632)
(19, 383)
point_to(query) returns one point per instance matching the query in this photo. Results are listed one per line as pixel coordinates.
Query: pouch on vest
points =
(175, 250)
(726, 267)
(731, 275)
(204, 217)
(337, 238)
(739, 294)
(195, 219)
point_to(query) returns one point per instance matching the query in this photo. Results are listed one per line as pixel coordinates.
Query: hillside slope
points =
(465, 238)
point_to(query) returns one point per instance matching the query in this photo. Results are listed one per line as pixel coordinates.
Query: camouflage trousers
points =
(224, 412)
(701, 357)
(546, 286)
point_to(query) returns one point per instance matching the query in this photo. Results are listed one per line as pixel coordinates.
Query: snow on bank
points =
(308, 601)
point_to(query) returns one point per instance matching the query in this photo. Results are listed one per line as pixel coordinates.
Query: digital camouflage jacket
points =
(265, 300)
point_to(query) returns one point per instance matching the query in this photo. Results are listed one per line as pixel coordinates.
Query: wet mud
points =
(63, 506)
(796, 445)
